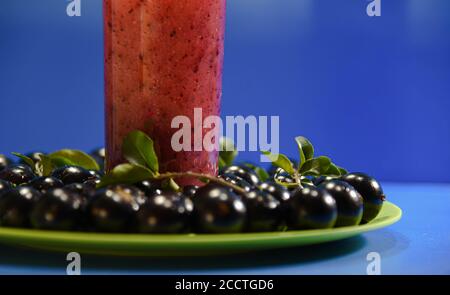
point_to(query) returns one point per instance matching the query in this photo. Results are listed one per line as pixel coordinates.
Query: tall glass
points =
(163, 58)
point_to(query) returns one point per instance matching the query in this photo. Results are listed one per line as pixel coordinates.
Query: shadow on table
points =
(296, 255)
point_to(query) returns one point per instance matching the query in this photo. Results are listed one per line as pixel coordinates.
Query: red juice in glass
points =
(163, 58)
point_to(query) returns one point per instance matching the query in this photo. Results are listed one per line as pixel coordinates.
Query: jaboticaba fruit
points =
(371, 192)
(321, 179)
(113, 209)
(311, 208)
(58, 209)
(167, 212)
(264, 212)
(5, 186)
(149, 188)
(16, 205)
(45, 183)
(85, 190)
(218, 210)
(280, 192)
(349, 202)
(4, 162)
(190, 190)
(236, 180)
(243, 172)
(73, 174)
(282, 176)
(17, 174)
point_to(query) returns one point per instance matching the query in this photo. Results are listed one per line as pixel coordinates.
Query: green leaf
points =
(342, 170)
(126, 174)
(281, 161)
(222, 163)
(305, 149)
(316, 166)
(262, 173)
(227, 152)
(306, 181)
(75, 158)
(333, 170)
(26, 159)
(45, 166)
(138, 148)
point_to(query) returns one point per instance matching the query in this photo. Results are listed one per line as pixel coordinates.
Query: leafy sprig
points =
(143, 164)
(308, 165)
(47, 163)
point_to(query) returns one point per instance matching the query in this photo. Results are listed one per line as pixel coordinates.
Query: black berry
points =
(370, 190)
(349, 202)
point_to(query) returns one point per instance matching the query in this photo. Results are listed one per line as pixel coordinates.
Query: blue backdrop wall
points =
(372, 93)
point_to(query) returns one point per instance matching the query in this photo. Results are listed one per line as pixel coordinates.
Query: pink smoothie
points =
(163, 58)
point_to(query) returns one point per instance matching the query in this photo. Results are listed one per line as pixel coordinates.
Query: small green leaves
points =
(305, 149)
(138, 148)
(333, 170)
(228, 152)
(342, 170)
(316, 166)
(281, 161)
(308, 165)
(73, 158)
(26, 159)
(126, 174)
(45, 166)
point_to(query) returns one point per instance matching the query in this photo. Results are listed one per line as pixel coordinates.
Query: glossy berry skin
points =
(282, 176)
(349, 202)
(45, 183)
(149, 188)
(17, 174)
(5, 186)
(280, 192)
(72, 174)
(114, 208)
(95, 174)
(165, 213)
(311, 208)
(236, 180)
(4, 162)
(321, 179)
(58, 209)
(218, 210)
(243, 172)
(190, 190)
(16, 205)
(264, 212)
(370, 190)
(85, 190)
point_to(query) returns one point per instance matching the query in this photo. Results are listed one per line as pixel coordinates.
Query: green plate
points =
(186, 245)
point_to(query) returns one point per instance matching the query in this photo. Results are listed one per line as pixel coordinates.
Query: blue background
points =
(372, 93)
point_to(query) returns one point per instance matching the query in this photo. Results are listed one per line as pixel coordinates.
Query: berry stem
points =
(211, 178)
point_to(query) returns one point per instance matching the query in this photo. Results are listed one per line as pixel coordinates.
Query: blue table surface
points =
(418, 244)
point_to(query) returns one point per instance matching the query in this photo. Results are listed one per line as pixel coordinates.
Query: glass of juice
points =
(163, 58)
